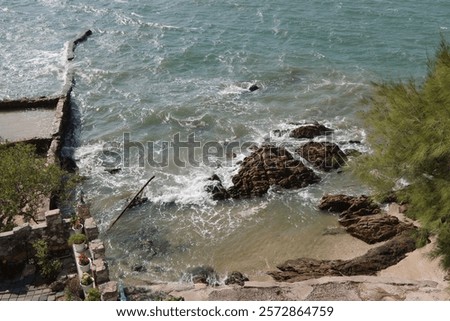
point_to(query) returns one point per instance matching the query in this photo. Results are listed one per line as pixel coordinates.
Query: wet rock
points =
(310, 131)
(323, 155)
(348, 206)
(215, 187)
(280, 132)
(362, 218)
(376, 228)
(374, 260)
(267, 166)
(236, 278)
(202, 274)
(253, 87)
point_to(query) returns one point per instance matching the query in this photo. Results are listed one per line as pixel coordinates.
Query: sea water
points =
(157, 71)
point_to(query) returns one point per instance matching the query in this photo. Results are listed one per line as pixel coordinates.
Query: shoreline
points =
(416, 277)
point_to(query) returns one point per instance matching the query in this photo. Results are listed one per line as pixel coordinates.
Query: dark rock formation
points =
(362, 219)
(325, 156)
(267, 166)
(375, 228)
(236, 278)
(216, 188)
(253, 87)
(370, 263)
(310, 131)
(348, 205)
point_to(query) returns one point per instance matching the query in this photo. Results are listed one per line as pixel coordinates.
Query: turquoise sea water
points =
(154, 69)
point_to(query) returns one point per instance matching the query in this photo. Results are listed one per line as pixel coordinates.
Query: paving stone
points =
(51, 298)
(46, 291)
(43, 297)
(13, 297)
(35, 298)
(21, 298)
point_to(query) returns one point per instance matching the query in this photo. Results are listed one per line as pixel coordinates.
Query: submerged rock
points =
(267, 166)
(253, 87)
(323, 155)
(310, 131)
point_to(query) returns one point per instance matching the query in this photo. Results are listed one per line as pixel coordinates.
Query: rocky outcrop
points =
(375, 228)
(370, 263)
(362, 218)
(323, 155)
(310, 131)
(267, 166)
(348, 206)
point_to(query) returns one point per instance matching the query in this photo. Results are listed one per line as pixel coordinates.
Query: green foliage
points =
(25, 180)
(93, 294)
(48, 268)
(443, 245)
(409, 132)
(72, 291)
(76, 239)
(86, 279)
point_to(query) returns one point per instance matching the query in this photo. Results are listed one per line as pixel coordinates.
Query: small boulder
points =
(253, 87)
(236, 278)
(310, 131)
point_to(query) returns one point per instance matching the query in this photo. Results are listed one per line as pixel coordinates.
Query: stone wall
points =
(16, 246)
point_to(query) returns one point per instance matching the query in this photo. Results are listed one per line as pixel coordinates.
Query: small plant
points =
(76, 222)
(72, 291)
(93, 294)
(48, 268)
(83, 259)
(86, 279)
(77, 239)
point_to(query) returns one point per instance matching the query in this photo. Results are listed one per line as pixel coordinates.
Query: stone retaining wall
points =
(16, 246)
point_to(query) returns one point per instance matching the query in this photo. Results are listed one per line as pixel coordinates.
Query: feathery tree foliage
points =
(25, 182)
(409, 132)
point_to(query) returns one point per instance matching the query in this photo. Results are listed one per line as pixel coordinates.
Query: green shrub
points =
(76, 239)
(48, 268)
(93, 294)
(408, 129)
(26, 180)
